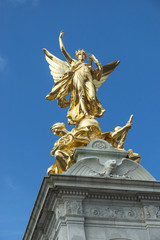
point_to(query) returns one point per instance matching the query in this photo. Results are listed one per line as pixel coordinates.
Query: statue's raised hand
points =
(129, 125)
(93, 58)
(61, 34)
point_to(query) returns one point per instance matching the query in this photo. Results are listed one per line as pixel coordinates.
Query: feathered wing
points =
(86, 167)
(60, 70)
(107, 69)
(133, 170)
(58, 67)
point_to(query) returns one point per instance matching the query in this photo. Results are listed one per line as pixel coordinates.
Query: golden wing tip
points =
(50, 97)
(47, 97)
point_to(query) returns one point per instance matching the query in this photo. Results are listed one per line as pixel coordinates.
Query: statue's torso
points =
(82, 73)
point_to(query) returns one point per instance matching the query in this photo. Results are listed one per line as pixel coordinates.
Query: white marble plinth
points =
(91, 208)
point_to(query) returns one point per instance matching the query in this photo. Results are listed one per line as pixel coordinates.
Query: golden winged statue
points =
(80, 80)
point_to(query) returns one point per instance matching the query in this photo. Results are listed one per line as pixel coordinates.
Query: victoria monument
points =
(95, 190)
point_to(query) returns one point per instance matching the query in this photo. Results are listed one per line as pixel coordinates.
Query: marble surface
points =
(91, 208)
(101, 159)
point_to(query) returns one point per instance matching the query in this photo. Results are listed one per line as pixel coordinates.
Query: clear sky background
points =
(126, 30)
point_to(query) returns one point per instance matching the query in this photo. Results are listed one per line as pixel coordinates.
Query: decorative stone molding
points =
(152, 212)
(73, 192)
(73, 207)
(59, 208)
(137, 197)
(114, 212)
(158, 213)
(99, 145)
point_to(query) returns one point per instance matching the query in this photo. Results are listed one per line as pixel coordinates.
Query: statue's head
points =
(58, 129)
(115, 130)
(81, 55)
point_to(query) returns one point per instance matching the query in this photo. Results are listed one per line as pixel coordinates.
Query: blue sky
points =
(124, 30)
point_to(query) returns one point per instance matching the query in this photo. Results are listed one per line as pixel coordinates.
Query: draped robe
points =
(83, 100)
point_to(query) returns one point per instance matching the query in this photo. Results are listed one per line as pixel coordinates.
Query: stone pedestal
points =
(91, 208)
(104, 202)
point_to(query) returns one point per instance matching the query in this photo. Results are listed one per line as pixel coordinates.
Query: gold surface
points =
(79, 81)
(118, 136)
(63, 148)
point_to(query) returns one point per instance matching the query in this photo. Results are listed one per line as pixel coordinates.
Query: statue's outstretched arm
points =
(65, 53)
(121, 130)
(100, 69)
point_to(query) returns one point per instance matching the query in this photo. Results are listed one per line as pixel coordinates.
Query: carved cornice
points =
(110, 196)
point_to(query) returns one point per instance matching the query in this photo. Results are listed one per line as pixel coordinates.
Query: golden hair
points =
(81, 51)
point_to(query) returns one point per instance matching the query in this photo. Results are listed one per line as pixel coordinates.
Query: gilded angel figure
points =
(80, 80)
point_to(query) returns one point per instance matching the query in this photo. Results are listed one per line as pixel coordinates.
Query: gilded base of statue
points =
(80, 136)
